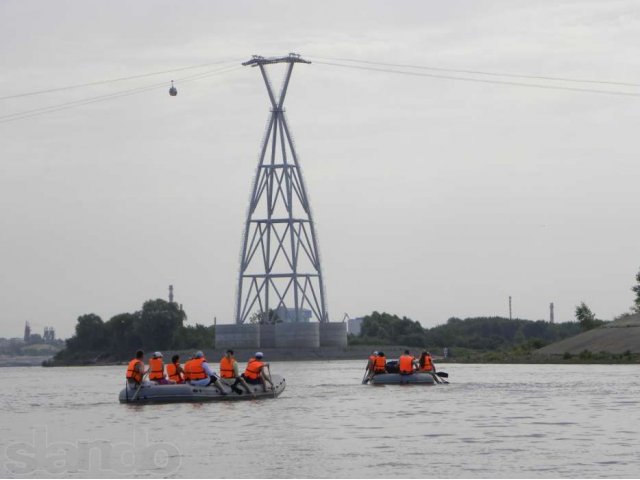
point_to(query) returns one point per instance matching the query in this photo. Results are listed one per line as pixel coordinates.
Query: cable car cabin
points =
(173, 91)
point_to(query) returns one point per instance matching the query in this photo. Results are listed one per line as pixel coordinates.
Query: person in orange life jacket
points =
(175, 370)
(135, 370)
(200, 374)
(406, 363)
(371, 361)
(229, 371)
(156, 369)
(255, 373)
(426, 363)
(380, 364)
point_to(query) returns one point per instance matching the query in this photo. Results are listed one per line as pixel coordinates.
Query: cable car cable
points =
(113, 80)
(484, 72)
(482, 80)
(100, 98)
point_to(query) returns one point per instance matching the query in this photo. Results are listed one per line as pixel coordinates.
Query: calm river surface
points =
(491, 421)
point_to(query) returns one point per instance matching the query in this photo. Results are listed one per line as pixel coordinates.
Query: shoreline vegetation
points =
(159, 325)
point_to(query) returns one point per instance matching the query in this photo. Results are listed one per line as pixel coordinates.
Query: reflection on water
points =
(491, 421)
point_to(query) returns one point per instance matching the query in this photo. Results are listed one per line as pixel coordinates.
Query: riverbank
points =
(362, 352)
(23, 360)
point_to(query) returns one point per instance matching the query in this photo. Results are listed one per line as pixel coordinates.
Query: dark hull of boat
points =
(397, 379)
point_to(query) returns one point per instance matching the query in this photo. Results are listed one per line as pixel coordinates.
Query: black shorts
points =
(257, 381)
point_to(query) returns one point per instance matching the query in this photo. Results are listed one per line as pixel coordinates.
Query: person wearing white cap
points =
(198, 372)
(255, 372)
(368, 373)
(156, 369)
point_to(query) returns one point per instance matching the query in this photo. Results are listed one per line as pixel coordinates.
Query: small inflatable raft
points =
(397, 379)
(185, 392)
(393, 377)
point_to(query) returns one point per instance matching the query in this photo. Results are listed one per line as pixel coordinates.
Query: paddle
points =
(135, 395)
(443, 375)
(273, 387)
(365, 380)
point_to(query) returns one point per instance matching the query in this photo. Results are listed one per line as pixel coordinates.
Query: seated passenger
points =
(405, 363)
(199, 373)
(255, 373)
(229, 371)
(426, 363)
(175, 371)
(372, 360)
(156, 369)
(380, 364)
(135, 370)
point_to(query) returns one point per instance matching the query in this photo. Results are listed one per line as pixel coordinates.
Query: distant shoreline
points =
(357, 352)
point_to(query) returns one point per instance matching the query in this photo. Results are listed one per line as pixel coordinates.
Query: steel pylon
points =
(280, 267)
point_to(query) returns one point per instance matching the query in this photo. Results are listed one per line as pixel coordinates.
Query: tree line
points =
(479, 333)
(159, 325)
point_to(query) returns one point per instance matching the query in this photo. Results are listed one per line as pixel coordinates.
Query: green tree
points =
(199, 336)
(158, 323)
(636, 290)
(90, 334)
(585, 317)
(120, 332)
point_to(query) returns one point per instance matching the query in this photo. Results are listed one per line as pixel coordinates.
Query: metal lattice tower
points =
(280, 262)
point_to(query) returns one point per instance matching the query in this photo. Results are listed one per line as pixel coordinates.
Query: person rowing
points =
(379, 365)
(136, 371)
(406, 363)
(229, 371)
(199, 373)
(426, 363)
(255, 372)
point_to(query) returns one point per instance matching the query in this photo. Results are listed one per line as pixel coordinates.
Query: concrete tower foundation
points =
(333, 334)
(297, 335)
(238, 336)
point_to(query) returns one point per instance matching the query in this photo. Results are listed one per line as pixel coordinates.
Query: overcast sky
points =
(432, 197)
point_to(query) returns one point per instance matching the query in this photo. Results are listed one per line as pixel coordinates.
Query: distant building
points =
(49, 334)
(291, 315)
(354, 325)
(27, 332)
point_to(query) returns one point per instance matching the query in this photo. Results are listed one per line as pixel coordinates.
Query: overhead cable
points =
(109, 96)
(114, 80)
(484, 72)
(482, 80)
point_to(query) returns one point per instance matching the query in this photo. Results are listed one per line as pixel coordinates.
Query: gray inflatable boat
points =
(185, 392)
(397, 379)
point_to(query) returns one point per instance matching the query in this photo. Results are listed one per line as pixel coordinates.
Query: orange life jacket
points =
(193, 369)
(254, 367)
(405, 364)
(428, 364)
(156, 369)
(372, 361)
(132, 373)
(380, 365)
(172, 371)
(226, 367)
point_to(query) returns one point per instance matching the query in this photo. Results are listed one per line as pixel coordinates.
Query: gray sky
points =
(433, 198)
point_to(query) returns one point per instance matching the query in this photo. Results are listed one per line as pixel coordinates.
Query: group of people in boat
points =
(197, 371)
(407, 364)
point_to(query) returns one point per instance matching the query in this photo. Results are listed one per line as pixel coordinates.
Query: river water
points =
(490, 421)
